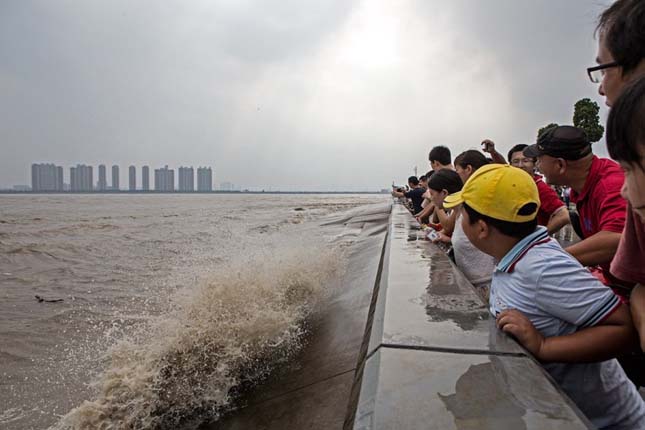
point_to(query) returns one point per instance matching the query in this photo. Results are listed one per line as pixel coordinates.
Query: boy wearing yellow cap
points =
(544, 297)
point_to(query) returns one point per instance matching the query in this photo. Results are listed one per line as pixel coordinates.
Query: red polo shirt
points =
(599, 204)
(549, 201)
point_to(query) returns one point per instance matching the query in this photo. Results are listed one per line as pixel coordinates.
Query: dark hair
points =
(429, 173)
(518, 230)
(517, 148)
(445, 179)
(623, 27)
(422, 178)
(626, 124)
(440, 154)
(472, 158)
(413, 180)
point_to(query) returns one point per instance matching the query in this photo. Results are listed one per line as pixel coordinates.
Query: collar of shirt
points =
(507, 263)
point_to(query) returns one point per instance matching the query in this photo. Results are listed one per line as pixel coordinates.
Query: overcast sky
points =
(285, 94)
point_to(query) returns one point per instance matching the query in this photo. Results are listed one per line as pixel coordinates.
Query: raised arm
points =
(489, 146)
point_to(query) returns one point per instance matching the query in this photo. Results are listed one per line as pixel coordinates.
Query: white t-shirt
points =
(559, 296)
(476, 265)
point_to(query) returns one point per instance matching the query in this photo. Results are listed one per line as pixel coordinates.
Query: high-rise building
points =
(59, 178)
(46, 177)
(165, 179)
(81, 178)
(115, 177)
(204, 179)
(102, 184)
(145, 178)
(186, 179)
(132, 176)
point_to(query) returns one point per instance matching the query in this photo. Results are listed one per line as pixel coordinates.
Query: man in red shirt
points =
(565, 158)
(552, 213)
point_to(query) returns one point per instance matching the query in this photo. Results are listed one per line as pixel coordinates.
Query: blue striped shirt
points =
(548, 285)
(560, 296)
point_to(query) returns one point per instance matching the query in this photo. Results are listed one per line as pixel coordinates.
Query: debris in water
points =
(40, 300)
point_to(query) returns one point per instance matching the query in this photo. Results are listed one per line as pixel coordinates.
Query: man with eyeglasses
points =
(621, 48)
(621, 61)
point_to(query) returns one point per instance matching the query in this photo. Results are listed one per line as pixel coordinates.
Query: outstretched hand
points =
(516, 323)
(488, 146)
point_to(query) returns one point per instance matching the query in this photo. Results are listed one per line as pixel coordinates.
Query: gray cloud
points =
(284, 94)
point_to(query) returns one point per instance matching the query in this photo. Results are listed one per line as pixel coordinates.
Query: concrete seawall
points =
(405, 343)
(435, 358)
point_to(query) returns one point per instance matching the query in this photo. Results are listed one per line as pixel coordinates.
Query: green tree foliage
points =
(545, 128)
(585, 116)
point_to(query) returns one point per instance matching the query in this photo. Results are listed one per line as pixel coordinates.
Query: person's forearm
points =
(435, 218)
(559, 219)
(597, 249)
(497, 157)
(597, 343)
(449, 227)
(441, 215)
(637, 307)
(426, 211)
(447, 221)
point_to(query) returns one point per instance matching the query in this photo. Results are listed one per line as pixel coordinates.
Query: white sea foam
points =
(229, 333)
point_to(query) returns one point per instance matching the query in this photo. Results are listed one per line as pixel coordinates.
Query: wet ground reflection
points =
(503, 392)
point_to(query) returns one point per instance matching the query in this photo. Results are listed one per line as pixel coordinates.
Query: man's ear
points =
(469, 169)
(483, 230)
(562, 165)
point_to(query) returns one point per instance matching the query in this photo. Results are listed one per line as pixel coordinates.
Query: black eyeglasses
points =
(596, 73)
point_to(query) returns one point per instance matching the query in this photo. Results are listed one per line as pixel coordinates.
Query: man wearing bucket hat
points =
(565, 158)
(545, 298)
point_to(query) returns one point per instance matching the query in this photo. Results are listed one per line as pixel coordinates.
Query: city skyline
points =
(48, 177)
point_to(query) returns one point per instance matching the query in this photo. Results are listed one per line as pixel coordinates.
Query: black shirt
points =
(416, 195)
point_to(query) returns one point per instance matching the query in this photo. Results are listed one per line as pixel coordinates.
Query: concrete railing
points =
(433, 358)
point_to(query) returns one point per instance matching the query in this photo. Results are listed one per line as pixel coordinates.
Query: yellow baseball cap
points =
(498, 191)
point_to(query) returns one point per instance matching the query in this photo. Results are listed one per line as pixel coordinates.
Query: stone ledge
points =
(434, 357)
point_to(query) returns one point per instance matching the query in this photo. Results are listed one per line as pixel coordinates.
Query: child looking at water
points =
(544, 297)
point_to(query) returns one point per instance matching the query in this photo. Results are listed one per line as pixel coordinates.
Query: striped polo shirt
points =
(548, 285)
(560, 296)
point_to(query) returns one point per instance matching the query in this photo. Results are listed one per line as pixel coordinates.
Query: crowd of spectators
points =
(580, 309)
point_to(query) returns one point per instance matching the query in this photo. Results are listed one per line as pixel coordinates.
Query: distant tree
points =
(585, 116)
(545, 128)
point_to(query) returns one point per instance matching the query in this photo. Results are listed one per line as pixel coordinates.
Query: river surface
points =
(103, 296)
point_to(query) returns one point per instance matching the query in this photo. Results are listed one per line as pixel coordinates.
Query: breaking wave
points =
(191, 365)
